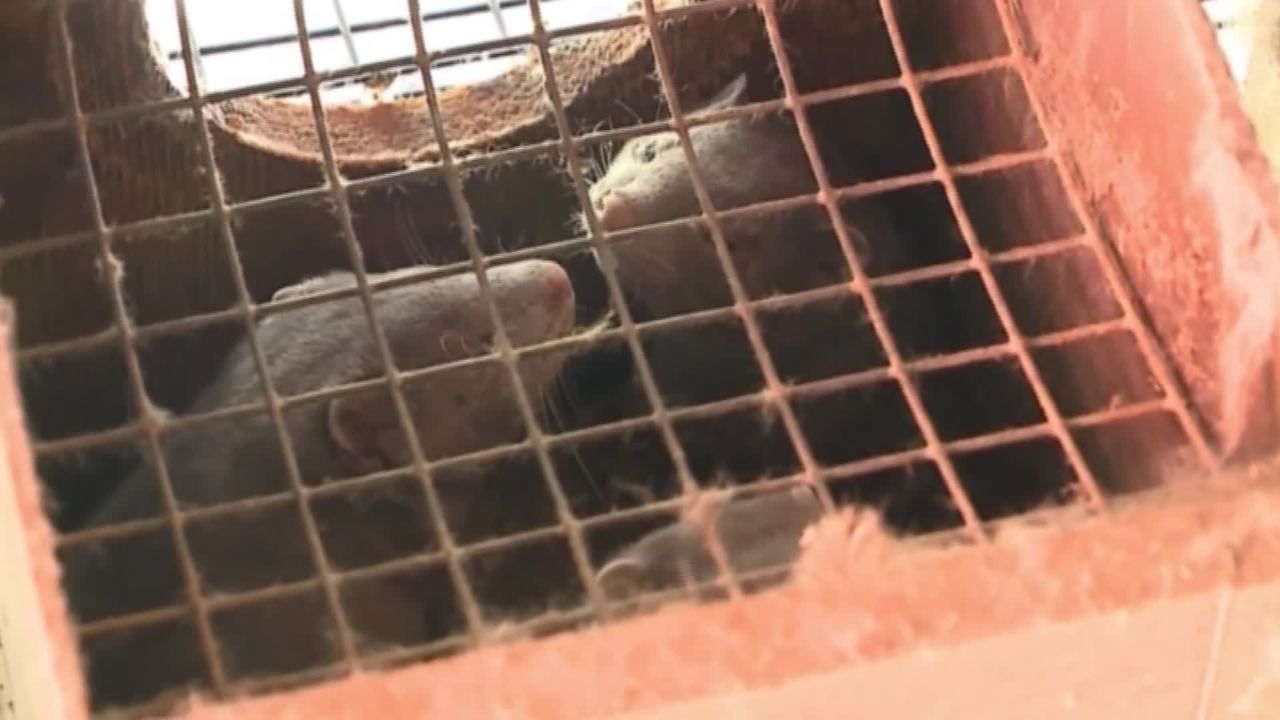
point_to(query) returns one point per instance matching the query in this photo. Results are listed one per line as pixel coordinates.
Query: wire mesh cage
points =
(318, 387)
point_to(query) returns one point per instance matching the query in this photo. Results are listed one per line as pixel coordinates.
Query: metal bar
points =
(111, 266)
(122, 112)
(937, 450)
(486, 48)
(659, 412)
(776, 393)
(774, 388)
(329, 32)
(344, 27)
(536, 438)
(191, 55)
(844, 472)
(504, 156)
(495, 9)
(785, 301)
(471, 610)
(539, 625)
(244, 301)
(1123, 291)
(1084, 474)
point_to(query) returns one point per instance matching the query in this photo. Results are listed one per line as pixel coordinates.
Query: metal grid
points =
(775, 394)
(368, 23)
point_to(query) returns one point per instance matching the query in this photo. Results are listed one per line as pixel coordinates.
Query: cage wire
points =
(246, 57)
(777, 394)
(345, 28)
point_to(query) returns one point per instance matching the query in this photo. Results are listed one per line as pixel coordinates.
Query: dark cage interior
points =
(918, 316)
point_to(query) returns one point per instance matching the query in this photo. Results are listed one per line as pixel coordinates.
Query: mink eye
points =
(648, 152)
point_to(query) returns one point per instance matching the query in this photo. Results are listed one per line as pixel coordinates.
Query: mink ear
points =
(621, 578)
(729, 95)
(308, 286)
(862, 247)
(353, 431)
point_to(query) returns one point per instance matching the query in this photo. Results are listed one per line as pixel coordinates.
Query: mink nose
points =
(615, 211)
(559, 288)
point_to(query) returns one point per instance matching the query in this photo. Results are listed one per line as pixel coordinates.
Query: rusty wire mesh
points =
(777, 394)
